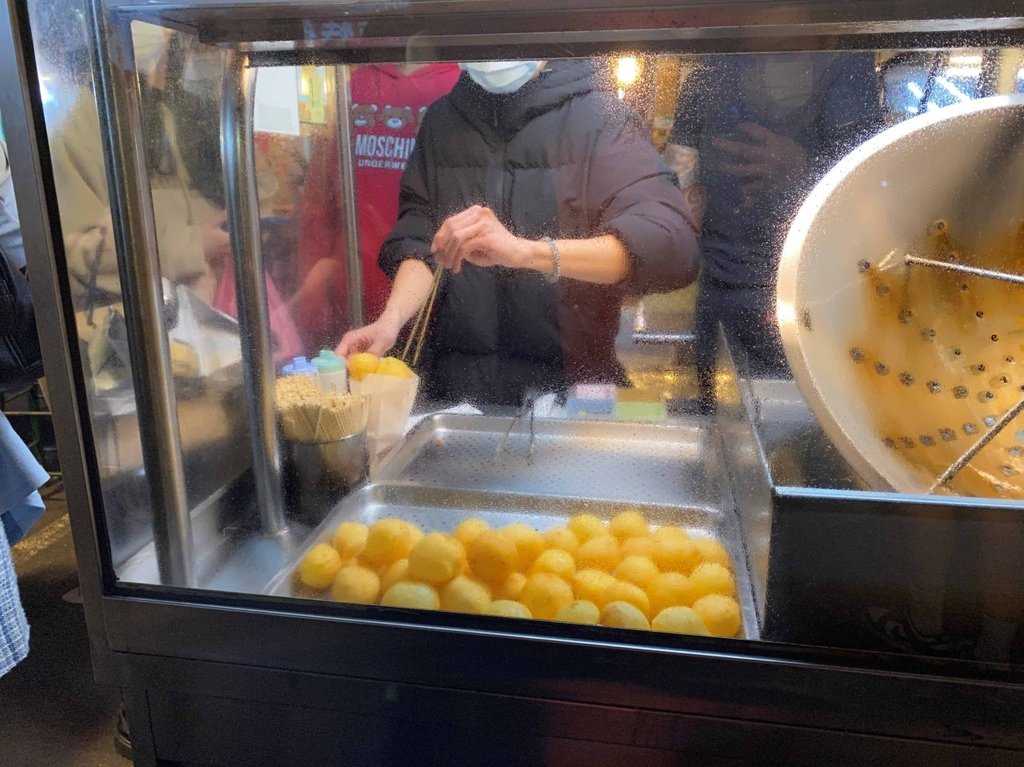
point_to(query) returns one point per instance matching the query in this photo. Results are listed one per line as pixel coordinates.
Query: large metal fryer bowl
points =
(906, 367)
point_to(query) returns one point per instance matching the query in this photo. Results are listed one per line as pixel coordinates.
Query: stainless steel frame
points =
(248, 665)
(325, 31)
(138, 261)
(238, 94)
(349, 199)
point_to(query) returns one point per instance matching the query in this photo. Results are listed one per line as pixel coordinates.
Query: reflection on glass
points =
(517, 224)
(753, 134)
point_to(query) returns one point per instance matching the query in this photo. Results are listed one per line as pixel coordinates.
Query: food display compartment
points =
(677, 462)
(437, 509)
(844, 564)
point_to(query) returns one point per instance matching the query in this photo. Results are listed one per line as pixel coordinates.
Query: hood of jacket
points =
(504, 115)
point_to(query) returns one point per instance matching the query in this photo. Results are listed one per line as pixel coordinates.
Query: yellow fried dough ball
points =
(720, 614)
(636, 569)
(512, 587)
(586, 526)
(556, 561)
(580, 611)
(320, 566)
(418, 596)
(669, 590)
(670, 532)
(493, 556)
(712, 578)
(436, 558)
(679, 620)
(628, 524)
(623, 591)
(362, 364)
(639, 547)
(529, 543)
(468, 530)
(561, 538)
(544, 594)
(392, 366)
(506, 608)
(465, 595)
(600, 553)
(712, 551)
(676, 554)
(591, 585)
(356, 584)
(393, 573)
(389, 540)
(350, 540)
(623, 615)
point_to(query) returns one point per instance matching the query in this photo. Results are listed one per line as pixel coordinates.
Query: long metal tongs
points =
(1009, 415)
(528, 407)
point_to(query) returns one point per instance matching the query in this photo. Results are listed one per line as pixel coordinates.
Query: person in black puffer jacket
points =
(545, 200)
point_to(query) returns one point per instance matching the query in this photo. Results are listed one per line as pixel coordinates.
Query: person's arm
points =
(631, 193)
(403, 257)
(477, 236)
(408, 293)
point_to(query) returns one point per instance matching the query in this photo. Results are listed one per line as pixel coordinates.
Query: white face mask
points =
(501, 76)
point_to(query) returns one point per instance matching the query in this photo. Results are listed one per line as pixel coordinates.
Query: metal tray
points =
(438, 509)
(676, 463)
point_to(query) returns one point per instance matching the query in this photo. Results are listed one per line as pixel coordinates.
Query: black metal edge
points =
(131, 598)
(518, 46)
(324, 33)
(751, 11)
(25, 128)
(604, 669)
(890, 503)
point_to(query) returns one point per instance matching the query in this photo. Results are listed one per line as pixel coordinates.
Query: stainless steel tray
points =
(678, 463)
(438, 509)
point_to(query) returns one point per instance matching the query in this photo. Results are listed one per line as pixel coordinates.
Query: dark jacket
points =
(559, 158)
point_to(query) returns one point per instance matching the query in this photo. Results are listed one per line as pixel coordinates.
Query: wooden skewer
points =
(426, 320)
(413, 332)
(419, 326)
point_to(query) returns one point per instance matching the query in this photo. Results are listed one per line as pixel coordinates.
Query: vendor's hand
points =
(377, 338)
(768, 160)
(216, 241)
(477, 236)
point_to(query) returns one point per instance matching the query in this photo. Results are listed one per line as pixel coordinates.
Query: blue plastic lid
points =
(329, 362)
(298, 366)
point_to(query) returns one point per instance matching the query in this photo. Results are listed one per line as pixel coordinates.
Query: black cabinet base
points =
(252, 717)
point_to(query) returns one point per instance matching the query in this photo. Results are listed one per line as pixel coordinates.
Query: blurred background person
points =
(388, 105)
(753, 134)
(545, 202)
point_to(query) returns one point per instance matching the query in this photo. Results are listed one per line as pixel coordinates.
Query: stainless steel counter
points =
(449, 470)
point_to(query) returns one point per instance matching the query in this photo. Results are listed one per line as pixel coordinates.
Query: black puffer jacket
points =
(559, 158)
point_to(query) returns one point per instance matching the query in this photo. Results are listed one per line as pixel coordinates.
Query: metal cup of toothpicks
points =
(325, 439)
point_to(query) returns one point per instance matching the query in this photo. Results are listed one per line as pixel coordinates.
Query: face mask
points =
(501, 76)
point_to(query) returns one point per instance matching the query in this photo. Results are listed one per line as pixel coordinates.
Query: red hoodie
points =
(388, 106)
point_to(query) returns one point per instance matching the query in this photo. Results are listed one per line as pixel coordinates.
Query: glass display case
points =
(537, 384)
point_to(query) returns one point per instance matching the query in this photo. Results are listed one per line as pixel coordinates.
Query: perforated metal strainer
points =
(901, 303)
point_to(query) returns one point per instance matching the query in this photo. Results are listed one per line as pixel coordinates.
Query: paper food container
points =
(391, 399)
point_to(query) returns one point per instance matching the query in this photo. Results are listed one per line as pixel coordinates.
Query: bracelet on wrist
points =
(556, 271)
